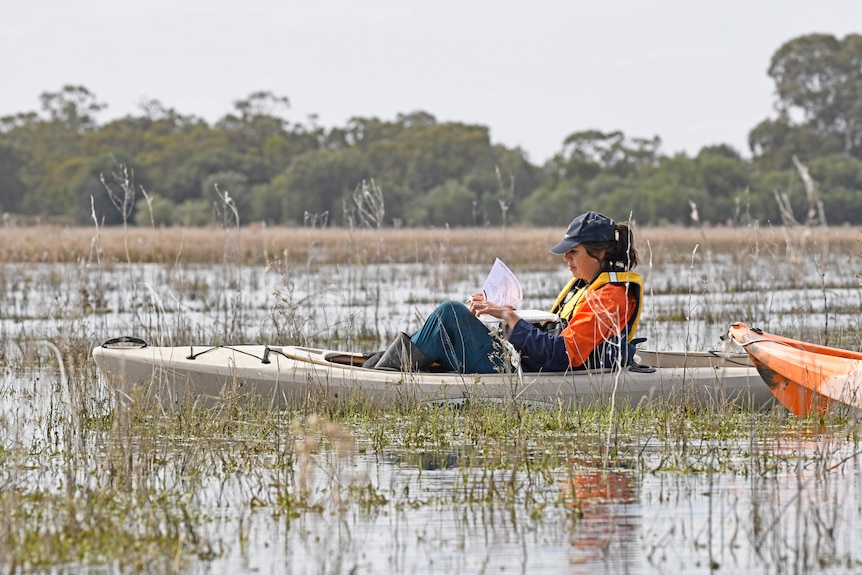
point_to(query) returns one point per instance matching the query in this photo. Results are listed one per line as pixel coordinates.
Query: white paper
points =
(501, 286)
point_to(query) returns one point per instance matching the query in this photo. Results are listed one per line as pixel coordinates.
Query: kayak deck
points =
(292, 375)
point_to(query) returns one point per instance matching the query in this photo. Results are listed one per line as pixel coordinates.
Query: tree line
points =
(160, 167)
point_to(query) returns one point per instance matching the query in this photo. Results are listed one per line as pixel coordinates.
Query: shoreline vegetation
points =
(262, 245)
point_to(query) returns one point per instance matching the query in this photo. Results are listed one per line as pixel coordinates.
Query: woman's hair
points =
(620, 252)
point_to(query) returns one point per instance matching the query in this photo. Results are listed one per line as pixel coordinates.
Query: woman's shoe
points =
(404, 355)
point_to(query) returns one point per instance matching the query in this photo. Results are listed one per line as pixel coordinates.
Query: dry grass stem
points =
(258, 245)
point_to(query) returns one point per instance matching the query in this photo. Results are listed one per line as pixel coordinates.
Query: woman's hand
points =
(475, 300)
(480, 306)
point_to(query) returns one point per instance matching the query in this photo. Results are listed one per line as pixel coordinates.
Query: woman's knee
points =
(452, 308)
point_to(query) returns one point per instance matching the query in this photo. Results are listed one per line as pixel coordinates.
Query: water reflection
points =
(600, 512)
(427, 460)
(605, 516)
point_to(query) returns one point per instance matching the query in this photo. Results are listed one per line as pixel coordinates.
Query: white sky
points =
(690, 71)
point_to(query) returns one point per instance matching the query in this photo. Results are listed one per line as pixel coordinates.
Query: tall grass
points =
(526, 247)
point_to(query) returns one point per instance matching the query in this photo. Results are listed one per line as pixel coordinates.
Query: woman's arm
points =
(544, 349)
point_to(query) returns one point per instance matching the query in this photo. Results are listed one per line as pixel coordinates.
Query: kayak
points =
(804, 377)
(291, 376)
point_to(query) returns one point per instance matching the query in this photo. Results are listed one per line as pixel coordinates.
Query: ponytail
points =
(620, 253)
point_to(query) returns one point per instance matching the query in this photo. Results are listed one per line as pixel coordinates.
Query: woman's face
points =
(581, 264)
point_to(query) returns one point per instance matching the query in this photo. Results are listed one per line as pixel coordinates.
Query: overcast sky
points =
(692, 72)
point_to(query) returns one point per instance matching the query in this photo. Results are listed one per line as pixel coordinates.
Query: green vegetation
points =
(60, 164)
(148, 488)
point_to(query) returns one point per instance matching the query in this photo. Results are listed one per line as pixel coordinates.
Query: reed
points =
(259, 245)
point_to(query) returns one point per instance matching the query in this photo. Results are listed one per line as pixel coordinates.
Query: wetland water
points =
(92, 486)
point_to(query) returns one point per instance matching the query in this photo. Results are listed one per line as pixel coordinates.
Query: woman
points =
(600, 308)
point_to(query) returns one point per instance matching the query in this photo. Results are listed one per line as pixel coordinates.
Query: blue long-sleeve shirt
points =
(546, 351)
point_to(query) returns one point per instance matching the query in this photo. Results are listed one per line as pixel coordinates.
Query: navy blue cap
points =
(588, 227)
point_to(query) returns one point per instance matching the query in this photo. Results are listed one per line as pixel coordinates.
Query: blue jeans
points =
(459, 341)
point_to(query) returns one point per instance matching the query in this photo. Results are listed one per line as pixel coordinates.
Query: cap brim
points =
(563, 247)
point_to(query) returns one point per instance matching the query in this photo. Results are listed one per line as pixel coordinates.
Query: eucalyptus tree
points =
(49, 145)
(260, 129)
(318, 182)
(11, 186)
(587, 153)
(839, 182)
(73, 107)
(593, 168)
(818, 85)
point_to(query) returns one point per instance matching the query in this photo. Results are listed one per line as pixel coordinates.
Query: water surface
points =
(762, 501)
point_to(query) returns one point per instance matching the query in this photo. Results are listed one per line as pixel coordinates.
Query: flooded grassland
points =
(90, 484)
